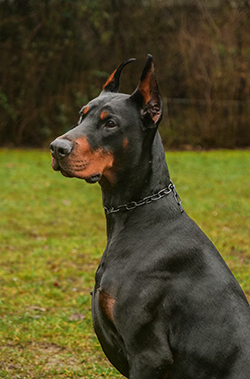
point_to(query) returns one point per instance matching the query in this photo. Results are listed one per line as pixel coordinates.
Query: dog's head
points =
(112, 130)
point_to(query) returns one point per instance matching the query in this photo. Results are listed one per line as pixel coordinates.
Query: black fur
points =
(165, 305)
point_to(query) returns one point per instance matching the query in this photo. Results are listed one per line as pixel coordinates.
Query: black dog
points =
(165, 304)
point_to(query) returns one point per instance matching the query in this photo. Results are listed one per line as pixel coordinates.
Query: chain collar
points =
(147, 200)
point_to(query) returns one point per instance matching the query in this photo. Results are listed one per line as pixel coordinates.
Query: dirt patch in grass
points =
(42, 360)
(56, 357)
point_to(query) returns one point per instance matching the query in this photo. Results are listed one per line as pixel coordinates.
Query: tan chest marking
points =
(107, 304)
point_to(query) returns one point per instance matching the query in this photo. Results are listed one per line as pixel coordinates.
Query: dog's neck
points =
(149, 176)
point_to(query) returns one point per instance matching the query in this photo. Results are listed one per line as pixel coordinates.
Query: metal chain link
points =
(147, 200)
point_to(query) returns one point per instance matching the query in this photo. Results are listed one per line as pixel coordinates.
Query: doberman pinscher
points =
(165, 305)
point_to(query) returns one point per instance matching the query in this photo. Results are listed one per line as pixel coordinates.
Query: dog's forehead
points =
(112, 100)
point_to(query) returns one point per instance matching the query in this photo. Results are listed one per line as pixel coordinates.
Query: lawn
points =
(52, 232)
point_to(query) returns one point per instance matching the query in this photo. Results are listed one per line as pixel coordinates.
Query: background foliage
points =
(57, 54)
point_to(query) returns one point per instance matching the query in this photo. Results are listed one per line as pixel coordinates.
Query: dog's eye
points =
(110, 124)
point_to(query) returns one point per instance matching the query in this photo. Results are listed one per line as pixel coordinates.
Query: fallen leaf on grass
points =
(77, 317)
(35, 308)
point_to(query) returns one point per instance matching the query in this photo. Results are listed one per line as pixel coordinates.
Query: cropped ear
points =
(147, 96)
(112, 84)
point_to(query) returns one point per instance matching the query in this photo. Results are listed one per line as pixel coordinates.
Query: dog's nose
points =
(61, 148)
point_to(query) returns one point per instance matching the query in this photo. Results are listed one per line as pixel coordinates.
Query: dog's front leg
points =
(151, 364)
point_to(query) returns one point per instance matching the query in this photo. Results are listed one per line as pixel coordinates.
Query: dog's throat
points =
(147, 200)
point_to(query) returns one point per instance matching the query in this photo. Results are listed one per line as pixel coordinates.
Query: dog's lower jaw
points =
(91, 179)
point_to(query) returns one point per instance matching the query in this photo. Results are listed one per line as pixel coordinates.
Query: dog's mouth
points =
(67, 171)
(93, 178)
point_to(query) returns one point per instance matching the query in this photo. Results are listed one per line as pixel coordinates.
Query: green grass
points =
(52, 232)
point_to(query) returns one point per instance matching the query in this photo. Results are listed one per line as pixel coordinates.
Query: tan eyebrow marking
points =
(103, 115)
(85, 110)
